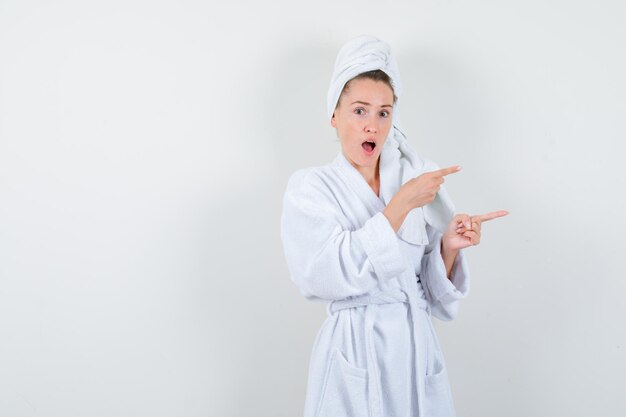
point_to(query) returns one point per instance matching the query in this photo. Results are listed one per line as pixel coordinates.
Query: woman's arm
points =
(448, 256)
(444, 286)
(416, 192)
(445, 273)
(327, 257)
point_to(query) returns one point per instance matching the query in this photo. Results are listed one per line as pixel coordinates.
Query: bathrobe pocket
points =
(344, 392)
(438, 401)
(438, 398)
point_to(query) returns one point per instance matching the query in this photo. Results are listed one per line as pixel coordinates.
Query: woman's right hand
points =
(416, 192)
(422, 190)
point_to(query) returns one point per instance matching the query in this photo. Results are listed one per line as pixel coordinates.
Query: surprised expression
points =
(363, 119)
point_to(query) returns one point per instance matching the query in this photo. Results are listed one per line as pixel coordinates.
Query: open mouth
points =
(368, 146)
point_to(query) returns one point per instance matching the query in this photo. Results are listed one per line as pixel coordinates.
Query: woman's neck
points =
(371, 176)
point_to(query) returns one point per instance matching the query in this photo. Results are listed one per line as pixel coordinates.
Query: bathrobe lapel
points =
(394, 172)
(358, 184)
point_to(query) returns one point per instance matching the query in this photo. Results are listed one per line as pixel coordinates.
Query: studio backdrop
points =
(144, 152)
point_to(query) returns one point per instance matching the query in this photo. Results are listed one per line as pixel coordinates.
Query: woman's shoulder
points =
(313, 185)
(311, 178)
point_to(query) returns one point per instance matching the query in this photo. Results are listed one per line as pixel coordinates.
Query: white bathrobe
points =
(377, 353)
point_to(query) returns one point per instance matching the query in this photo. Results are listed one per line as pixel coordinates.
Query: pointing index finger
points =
(492, 215)
(446, 171)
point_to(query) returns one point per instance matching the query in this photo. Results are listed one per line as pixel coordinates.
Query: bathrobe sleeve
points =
(328, 257)
(443, 293)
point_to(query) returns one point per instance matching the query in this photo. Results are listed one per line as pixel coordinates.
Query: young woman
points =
(374, 234)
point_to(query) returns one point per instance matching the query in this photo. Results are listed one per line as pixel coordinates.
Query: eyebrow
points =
(368, 104)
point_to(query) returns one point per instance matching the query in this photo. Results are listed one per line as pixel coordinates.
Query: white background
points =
(144, 151)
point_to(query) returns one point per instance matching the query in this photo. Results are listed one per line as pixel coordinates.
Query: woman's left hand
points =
(464, 230)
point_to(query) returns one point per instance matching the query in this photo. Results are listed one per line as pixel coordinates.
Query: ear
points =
(333, 121)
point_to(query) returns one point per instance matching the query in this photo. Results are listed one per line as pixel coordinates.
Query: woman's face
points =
(363, 119)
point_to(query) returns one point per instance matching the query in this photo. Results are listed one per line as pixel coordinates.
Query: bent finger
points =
(473, 236)
(463, 219)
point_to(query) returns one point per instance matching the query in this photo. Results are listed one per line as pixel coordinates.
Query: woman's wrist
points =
(449, 256)
(395, 213)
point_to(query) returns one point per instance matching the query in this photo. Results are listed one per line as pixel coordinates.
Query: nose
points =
(371, 126)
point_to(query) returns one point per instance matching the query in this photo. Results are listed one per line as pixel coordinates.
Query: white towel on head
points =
(398, 162)
(361, 54)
